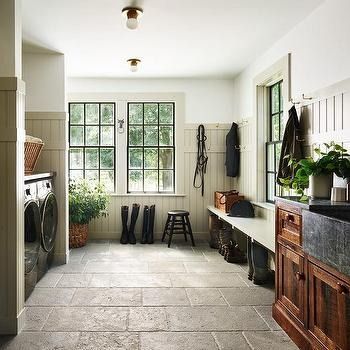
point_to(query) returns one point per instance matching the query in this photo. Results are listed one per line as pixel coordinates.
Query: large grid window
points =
(151, 147)
(92, 142)
(275, 135)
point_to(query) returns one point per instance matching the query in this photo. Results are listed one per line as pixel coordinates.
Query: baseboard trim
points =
(12, 326)
(157, 235)
(61, 258)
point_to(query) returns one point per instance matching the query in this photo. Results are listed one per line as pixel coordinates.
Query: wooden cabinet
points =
(329, 308)
(291, 282)
(312, 299)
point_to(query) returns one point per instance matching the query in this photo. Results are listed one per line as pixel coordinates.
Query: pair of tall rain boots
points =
(148, 224)
(128, 235)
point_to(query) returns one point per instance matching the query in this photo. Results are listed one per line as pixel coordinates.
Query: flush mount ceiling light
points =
(133, 62)
(132, 14)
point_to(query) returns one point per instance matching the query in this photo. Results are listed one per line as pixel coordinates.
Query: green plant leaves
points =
(332, 161)
(86, 201)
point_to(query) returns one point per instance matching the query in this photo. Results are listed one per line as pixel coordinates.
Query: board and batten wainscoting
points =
(324, 118)
(51, 127)
(190, 199)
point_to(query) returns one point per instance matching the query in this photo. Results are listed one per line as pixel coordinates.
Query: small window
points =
(274, 142)
(92, 142)
(151, 147)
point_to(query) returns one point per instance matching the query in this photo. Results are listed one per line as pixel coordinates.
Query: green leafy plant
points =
(86, 201)
(329, 162)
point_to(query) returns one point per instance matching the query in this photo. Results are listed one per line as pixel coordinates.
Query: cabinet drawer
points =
(291, 286)
(289, 226)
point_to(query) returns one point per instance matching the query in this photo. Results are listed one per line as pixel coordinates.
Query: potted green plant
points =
(87, 201)
(317, 174)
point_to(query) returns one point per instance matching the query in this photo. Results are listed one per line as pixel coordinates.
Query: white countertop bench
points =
(259, 229)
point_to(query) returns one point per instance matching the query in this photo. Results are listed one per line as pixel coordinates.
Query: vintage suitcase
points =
(224, 199)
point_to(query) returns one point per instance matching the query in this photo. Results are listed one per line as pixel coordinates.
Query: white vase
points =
(320, 186)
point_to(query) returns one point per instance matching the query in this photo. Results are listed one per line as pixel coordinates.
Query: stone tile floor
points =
(150, 297)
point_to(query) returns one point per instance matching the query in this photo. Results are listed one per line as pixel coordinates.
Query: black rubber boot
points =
(134, 215)
(152, 212)
(125, 212)
(145, 224)
(249, 258)
(261, 274)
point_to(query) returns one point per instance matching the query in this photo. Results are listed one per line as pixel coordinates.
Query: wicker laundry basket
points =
(78, 235)
(32, 150)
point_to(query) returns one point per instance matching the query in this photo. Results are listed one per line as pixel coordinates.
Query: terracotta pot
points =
(78, 235)
(320, 186)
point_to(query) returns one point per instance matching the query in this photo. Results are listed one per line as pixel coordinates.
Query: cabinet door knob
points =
(299, 276)
(341, 288)
(290, 217)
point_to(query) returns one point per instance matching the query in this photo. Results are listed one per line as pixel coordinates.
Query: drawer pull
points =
(299, 276)
(290, 218)
(341, 289)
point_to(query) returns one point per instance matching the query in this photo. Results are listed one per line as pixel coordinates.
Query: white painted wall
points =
(44, 75)
(320, 50)
(46, 118)
(206, 100)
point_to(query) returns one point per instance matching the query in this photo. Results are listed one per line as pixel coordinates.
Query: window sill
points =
(265, 205)
(147, 195)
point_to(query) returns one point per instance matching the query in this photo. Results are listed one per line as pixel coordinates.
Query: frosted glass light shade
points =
(133, 68)
(132, 23)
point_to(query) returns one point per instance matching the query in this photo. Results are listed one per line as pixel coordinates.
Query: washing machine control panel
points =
(30, 191)
(44, 187)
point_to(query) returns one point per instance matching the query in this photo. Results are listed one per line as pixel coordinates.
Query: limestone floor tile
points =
(277, 340)
(96, 248)
(207, 280)
(106, 257)
(87, 319)
(231, 340)
(177, 341)
(116, 267)
(249, 295)
(137, 280)
(164, 296)
(108, 341)
(36, 317)
(147, 319)
(205, 296)
(50, 297)
(68, 268)
(100, 280)
(266, 313)
(40, 341)
(49, 280)
(203, 267)
(166, 267)
(107, 297)
(74, 280)
(214, 318)
(181, 255)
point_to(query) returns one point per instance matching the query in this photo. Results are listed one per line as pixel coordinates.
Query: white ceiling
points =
(179, 38)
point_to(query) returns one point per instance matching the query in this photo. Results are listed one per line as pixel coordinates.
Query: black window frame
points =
(99, 146)
(153, 146)
(273, 143)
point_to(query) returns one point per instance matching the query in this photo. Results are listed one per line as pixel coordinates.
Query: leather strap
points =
(202, 159)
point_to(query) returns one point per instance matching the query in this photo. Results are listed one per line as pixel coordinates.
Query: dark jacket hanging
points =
(291, 145)
(232, 152)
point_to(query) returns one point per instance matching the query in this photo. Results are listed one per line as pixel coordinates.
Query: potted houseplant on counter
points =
(317, 175)
(86, 202)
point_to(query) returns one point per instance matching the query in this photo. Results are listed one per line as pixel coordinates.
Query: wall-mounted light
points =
(132, 14)
(133, 63)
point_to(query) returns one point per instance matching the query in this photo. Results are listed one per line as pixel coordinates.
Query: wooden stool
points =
(178, 222)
